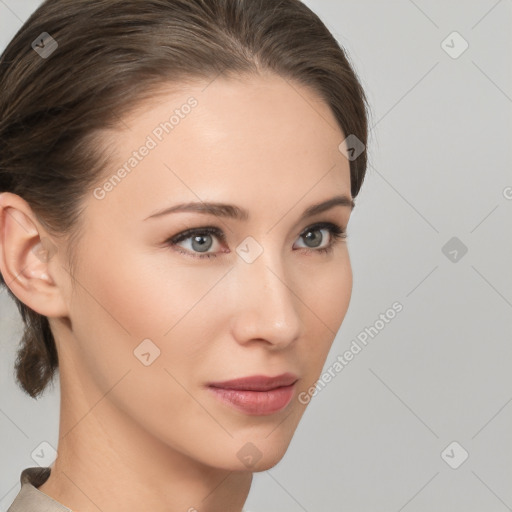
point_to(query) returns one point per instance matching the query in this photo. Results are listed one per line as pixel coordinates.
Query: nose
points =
(266, 306)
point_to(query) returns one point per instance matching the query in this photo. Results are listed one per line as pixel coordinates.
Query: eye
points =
(201, 240)
(336, 234)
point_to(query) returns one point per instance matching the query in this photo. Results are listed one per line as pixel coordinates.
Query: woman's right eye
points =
(200, 241)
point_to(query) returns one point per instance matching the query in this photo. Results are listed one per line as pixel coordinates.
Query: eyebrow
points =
(235, 212)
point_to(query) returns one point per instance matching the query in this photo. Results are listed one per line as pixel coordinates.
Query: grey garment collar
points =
(31, 499)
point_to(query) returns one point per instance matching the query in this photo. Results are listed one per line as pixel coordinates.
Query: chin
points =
(261, 454)
(267, 463)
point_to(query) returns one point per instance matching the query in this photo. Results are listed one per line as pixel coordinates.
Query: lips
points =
(258, 394)
(257, 382)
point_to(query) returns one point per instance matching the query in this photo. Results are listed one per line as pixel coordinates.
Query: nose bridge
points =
(267, 307)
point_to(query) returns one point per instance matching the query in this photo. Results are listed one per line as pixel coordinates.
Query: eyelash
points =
(337, 234)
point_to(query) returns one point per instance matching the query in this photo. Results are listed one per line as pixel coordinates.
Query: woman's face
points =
(154, 322)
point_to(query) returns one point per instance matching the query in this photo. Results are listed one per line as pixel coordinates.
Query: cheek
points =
(326, 291)
(147, 295)
(123, 302)
(326, 301)
(138, 297)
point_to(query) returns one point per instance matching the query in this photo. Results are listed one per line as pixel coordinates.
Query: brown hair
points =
(111, 55)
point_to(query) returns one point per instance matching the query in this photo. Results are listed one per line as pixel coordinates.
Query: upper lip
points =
(257, 382)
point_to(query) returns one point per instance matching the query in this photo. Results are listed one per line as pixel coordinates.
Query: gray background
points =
(439, 372)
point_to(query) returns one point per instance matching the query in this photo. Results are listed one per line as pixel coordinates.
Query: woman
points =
(176, 182)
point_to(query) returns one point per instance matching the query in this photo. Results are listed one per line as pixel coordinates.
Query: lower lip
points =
(256, 402)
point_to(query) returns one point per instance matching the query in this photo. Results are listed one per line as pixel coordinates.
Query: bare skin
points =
(134, 437)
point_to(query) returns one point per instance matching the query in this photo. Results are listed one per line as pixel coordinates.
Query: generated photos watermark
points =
(356, 346)
(152, 140)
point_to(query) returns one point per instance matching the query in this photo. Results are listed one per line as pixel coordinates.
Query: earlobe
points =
(27, 257)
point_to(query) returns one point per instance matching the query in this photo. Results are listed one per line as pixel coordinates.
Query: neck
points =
(107, 461)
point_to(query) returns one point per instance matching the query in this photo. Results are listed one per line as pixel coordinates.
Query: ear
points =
(28, 258)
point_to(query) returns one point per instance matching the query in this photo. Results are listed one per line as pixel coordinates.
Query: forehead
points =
(258, 136)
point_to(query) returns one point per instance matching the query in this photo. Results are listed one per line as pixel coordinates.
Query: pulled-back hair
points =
(111, 55)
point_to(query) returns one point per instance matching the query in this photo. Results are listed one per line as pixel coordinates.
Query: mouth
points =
(258, 394)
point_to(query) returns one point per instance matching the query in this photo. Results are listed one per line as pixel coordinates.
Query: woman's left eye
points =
(201, 239)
